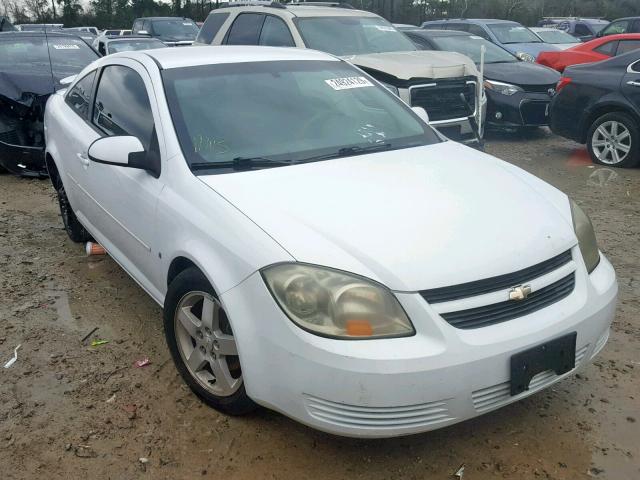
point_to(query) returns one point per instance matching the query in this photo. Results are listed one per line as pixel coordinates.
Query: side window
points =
(275, 33)
(626, 46)
(79, 97)
(102, 50)
(616, 27)
(419, 42)
(635, 67)
(607, 49)
(245, 29)
(458, 26)
(137, 26)
(635, 28)
(122, 106)
(479, 31)
(211, 27)
(582, 30)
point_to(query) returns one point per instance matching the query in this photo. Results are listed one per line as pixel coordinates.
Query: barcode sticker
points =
(66, 47)
(348, 83)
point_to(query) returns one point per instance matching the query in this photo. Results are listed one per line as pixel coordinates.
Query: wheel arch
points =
(52, 169)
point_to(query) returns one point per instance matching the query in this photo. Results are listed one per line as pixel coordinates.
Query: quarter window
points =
(122, 105)
(607, 49)
(245, 29)
(582, 30)
(211, 27)
(275, 33)
(79, 97)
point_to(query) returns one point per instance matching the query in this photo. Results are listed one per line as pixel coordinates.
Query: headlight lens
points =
(525, 57)
(502, 88)
(586, 237)
(391, 88)
(334, 304)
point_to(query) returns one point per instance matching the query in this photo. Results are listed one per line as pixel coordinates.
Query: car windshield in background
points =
(557, 36)
(597, 26)
(509, 33)
(286, 112)
(129, 45)
(27, 54)
(352, 35)
(471, 45)
(175, 28)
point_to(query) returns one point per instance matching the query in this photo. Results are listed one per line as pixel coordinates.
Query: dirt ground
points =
(69, 410)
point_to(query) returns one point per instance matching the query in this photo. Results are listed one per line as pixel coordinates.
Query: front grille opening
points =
(442, 99)
(508, 310)
(494, 284)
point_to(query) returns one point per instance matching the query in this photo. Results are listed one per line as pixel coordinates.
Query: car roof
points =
(437, 33)
(626, 18)
(168, 58)
(482, 21)
(121, 38)
(301, 11)
(37, 34)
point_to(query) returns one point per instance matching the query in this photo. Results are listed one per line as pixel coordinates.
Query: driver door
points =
(126, 198)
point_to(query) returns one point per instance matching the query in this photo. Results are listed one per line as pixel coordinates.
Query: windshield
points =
(129, 45)
(352, 35)
(471, 45)
(513, 33)
(286, 111)
(556, 36)
(179, 29)
(26, 54)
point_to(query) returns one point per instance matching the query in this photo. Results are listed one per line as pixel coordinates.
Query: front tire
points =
(202, 344)
(72, 226)
(614, 140)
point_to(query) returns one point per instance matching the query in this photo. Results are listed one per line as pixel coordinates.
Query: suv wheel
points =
(202, 344)
(613, 140)
(72, 225)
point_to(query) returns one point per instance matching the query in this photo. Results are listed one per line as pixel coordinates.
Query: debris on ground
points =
(97, 343)
(143, 362)
(88, 335)
(94, 248)
(460, 472)
(13, 359)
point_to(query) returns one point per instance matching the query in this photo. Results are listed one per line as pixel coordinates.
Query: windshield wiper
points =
(242, 164)
(348, 152)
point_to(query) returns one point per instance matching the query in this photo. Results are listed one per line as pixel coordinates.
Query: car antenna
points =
(53, 80)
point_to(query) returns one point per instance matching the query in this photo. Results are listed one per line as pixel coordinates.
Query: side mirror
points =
(67, 80)
(122, 151)
(422, 113)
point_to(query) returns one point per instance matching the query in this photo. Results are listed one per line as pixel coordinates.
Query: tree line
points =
(121, 13)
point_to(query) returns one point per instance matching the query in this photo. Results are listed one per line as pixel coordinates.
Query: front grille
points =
(534, 113)
(442, 100)
(538, 88)
(504, 311)
(10, 137)
(494, 284)
(408, 416)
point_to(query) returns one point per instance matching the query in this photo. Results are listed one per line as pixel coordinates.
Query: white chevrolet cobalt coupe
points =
(317, 247)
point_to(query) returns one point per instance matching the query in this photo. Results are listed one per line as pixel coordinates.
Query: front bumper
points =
(523, 109)
(383, 388)
(23, 160)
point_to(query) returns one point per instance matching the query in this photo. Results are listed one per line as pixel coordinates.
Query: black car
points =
(599, 104)
(31, 67)
(108, 44)
(172, 31)
(518, 93)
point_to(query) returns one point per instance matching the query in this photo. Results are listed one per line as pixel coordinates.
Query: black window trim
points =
(632, 66)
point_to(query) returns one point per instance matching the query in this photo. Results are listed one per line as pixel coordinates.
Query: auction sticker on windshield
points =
(348, 82)
(66, 47)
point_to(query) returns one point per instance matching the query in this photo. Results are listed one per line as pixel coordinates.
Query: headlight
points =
(334, 304)
(586, 237)
(503, 88)
(391, 88)
(525, 57)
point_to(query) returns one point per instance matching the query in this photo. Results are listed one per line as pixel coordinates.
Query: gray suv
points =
(447, 85)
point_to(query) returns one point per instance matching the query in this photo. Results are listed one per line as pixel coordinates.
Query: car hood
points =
(24, 87)
(412, 219)
(418, 64)
(521, 73)
(530, 48)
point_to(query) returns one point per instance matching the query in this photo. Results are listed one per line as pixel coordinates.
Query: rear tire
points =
(202, 345)
(72, 225)
(614, 140)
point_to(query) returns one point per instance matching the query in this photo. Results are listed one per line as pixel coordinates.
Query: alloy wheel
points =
(206, 344)
(611, 142)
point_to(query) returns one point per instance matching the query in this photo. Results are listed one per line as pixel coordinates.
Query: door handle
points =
(633, 83)
(84, 160)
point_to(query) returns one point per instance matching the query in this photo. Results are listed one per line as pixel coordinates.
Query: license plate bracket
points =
(558, 355)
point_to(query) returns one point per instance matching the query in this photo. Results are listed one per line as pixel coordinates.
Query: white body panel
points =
(411, 219)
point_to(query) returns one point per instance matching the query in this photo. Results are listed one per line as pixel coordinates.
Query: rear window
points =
(68, 55)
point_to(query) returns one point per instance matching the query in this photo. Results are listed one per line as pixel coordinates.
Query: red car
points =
(593, 51)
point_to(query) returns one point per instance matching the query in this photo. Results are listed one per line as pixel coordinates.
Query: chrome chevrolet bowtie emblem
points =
(521, 292)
